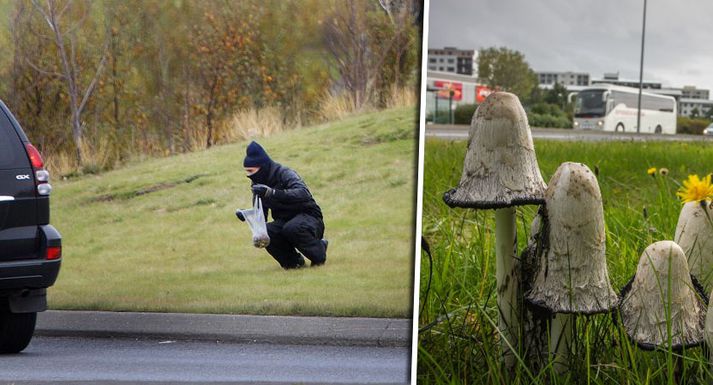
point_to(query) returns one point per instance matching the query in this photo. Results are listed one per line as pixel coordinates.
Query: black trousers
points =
(304, 233)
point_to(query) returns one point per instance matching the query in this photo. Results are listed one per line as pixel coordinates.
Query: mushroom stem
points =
(535, 322)
(561, 331)
(709, 334)
(507, 271)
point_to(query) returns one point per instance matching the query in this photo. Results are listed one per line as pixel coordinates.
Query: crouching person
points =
(297, 228)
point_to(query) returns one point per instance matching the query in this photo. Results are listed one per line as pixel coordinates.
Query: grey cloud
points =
(588, 36)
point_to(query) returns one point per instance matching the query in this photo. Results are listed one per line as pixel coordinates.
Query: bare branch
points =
(44, 13)
(65, 8)
(385, 5)
(74, 68)
(100, 68)
(44, 72)
(77, 24)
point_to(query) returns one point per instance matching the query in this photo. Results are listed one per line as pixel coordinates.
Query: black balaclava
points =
(257, 157)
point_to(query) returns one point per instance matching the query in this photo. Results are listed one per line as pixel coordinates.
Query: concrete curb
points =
(233, 328)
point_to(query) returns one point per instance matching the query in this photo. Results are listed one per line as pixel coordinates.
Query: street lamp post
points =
(450, 106)
(641, 72)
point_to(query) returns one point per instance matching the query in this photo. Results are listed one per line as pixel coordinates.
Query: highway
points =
(91, 360)
(460, 132)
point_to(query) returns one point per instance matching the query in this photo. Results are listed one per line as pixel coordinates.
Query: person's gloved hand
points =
(239, 214)
(262, 190)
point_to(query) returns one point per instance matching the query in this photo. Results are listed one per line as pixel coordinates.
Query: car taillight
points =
(35, 157)
(54, 252)
(42, 177)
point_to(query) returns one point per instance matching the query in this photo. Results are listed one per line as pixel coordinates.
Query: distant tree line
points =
(157, 77)
(504, 69)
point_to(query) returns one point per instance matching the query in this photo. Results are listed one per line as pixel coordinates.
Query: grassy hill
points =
(161, 235)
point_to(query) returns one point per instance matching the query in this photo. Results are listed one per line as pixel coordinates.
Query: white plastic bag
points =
(255, 218)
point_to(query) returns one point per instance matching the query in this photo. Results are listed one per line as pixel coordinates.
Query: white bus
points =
(607, 107)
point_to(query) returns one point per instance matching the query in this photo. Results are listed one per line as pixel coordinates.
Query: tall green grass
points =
(161, 235)
(458, 340)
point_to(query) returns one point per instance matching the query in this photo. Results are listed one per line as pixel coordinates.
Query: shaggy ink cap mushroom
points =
(694, 233)
(500, 168)
(663, 274)
(572, 274)
(708, 332)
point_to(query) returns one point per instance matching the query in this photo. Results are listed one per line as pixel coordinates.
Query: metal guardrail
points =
(458, 132)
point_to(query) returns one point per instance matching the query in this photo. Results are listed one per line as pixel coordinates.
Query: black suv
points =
(30, 248)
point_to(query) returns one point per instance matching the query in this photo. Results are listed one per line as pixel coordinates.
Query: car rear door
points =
(18, 209)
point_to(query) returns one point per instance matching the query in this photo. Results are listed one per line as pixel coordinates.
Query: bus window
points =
(657, 104)
(590, 103)
(630, 100)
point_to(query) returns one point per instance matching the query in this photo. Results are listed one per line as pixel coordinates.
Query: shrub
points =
(686, 125)
(549, 121)
(464, 113)
(548, 116)
(546, 109)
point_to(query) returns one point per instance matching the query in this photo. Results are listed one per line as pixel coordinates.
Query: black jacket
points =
(290, 194)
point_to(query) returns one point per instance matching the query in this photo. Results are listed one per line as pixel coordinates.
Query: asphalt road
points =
(126, 360)
(460, 132)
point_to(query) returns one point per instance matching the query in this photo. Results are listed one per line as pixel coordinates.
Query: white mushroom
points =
(500, 171)
(694, 233)
(500, 167)
(662, 295)
(708, 332)
(536, 323)
(572, 275)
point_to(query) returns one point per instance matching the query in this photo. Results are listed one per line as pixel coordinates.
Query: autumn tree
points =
(373, 46)
(298, 74)
(400, 33)
(226, 52)
(350, 42)
(154, 77)
(65, 40)
(36, 93)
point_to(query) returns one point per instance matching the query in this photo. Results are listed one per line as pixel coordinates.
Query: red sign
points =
(445, 89)
(481, 92)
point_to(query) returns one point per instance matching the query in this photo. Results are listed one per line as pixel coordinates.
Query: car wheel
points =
(619, 128)
(658, 129)
(16, 331)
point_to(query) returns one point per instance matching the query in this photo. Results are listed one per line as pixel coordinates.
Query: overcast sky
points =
(587, 36)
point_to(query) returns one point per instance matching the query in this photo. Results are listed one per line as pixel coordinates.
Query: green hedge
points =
(539, 115)
(686, 125)
(548, 116)
(464, 113)
(549, 121)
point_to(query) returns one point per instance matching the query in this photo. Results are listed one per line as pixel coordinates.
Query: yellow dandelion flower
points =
(695, 189)
(651, 171)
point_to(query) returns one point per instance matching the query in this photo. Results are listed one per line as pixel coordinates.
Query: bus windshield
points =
(590, 104)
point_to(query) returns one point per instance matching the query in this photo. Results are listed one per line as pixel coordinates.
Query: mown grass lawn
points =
(161, 235)
(459, 344)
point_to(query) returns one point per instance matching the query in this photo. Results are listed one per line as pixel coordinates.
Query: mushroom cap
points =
(694, 233)
(572, 275)
(663, 274)
(500, 167)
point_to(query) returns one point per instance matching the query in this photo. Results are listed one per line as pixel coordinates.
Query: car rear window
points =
(12, 154)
